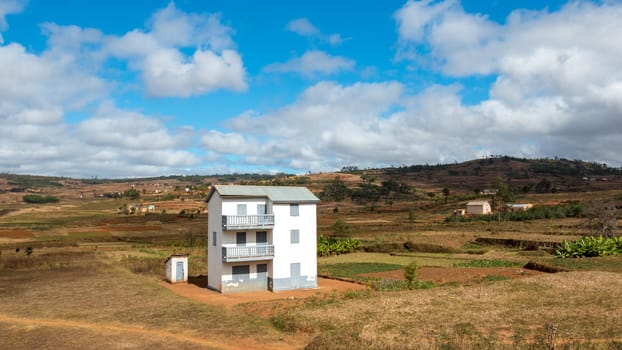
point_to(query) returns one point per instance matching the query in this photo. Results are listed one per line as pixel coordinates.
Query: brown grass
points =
(81, 286)
(580, 305)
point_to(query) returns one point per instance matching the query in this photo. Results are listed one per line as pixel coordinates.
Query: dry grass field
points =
(86, 276)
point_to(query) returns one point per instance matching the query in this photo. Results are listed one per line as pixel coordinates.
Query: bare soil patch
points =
(18, 234)
(457, 274)
(208, 296)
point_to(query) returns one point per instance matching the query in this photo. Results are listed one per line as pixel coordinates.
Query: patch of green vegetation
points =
(38, 199)
(609, 263)
(333, 246)
(568, 210)
(29, 181)
(493, 278)
(489, 263)
(351, 270)
(590, 247)
(387, 285)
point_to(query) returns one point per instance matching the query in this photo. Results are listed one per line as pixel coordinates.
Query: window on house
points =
(293, 210)
(294, 236)
(262, 268)
(261, 209)
(214, 239)
(261, 237)
(241, 209)
(240, 238)
(241, 272)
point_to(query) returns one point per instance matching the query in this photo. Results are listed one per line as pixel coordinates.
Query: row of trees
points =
(368, 191)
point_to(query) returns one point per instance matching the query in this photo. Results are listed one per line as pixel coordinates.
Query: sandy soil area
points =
(204, 295)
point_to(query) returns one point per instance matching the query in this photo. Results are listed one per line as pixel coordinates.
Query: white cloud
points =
(166, 70)
(313, 62)
(304, 27)
(329, 125)
(167, 73)
(39, 90)
(557, 73)
(42, 74)
(8, 7)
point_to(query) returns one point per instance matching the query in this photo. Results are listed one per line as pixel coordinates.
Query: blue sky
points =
(146, 88)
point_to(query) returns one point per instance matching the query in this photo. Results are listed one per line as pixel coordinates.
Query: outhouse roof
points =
(282, 194)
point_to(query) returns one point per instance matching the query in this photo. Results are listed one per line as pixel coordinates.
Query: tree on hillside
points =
(600, 219)
(505, 194)
(446, 193)
(335, 190)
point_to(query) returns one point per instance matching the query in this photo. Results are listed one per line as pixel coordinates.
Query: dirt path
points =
(233, 344)
(207, 296)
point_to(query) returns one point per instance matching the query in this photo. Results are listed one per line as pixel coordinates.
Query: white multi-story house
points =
(261, 238)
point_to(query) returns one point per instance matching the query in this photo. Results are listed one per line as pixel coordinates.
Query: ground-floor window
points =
(241, 271)
(262, 268)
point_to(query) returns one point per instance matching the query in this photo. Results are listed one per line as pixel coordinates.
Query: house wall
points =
(286, 253)
(229, 237)
(214, 253)
(253, 282)
(478, 208)
(230, 206)
(277, 277)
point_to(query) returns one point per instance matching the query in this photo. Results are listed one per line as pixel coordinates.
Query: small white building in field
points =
(177, 268)
(261, 238)
(478, 208)
(520, 207)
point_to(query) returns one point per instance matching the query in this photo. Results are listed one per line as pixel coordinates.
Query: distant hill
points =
(522, 175)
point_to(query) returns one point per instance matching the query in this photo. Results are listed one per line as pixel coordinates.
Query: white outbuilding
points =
(478, 208)
(177, 268)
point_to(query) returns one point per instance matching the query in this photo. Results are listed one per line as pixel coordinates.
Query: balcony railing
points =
(233, 222)
(248, 253)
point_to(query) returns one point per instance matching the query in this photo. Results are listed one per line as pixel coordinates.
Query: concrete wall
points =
(254, 282)
(478, 208)
(286, 253)
(220, 275)
(171, 269)
(230, 206)
(214, 253)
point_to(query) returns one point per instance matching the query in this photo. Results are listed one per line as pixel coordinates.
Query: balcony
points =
(235, 222)
(247, 253)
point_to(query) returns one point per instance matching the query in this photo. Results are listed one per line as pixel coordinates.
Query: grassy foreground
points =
(575, 310)
(72, 298)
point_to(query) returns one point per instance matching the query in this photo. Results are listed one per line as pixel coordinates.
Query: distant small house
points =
(177, 268)
(488, 192)
(478, 208)
(520, 207)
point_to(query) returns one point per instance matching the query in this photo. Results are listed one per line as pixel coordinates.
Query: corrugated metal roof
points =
(276, 194)
(477, 203)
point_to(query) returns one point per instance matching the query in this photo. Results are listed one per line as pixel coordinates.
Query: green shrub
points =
(332, 246)
(37, 199)
(536, 213)
(411, 272)
(590, 247)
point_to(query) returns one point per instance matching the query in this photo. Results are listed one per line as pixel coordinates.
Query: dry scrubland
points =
(93, 279)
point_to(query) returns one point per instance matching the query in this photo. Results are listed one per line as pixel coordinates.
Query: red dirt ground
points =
(16, 234)
(457, 274)
(204, 295)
